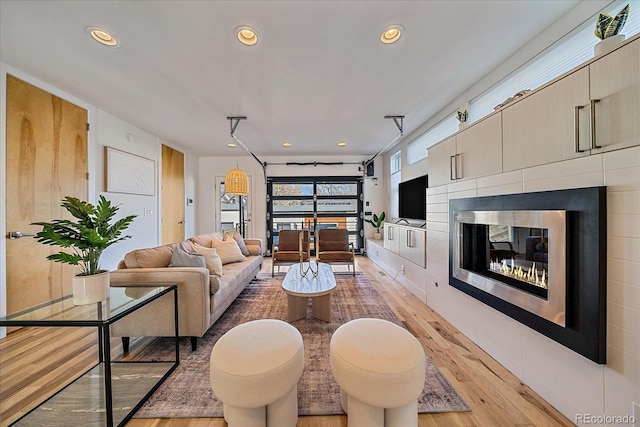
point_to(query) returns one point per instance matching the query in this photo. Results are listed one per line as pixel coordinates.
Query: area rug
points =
(187, 392)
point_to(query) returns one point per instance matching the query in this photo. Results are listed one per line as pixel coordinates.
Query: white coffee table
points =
(300, 288)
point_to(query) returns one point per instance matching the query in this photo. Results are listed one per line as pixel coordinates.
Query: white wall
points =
(118, 134)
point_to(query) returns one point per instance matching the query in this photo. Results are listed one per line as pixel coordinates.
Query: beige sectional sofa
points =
(203, 294)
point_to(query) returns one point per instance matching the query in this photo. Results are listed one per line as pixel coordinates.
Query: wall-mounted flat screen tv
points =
(413, 198)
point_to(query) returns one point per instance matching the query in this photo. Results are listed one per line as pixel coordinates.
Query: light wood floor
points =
(35, 363)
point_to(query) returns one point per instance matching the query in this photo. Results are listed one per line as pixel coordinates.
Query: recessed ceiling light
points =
(286, 144)
(391, 34)
(342, 144)
(103, 37)
(247, 35)
(232, 145)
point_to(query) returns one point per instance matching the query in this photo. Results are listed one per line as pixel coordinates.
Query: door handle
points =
(577, 129)
(18, 234)
(593, 123)
(456, 163)
(182, 222)
(452, 160)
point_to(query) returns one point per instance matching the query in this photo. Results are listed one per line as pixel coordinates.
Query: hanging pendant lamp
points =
(236, 182)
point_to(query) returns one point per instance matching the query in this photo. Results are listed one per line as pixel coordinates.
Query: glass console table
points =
(112, 391)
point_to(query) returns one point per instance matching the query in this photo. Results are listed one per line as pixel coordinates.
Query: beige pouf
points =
(255, 368)
(380, 369)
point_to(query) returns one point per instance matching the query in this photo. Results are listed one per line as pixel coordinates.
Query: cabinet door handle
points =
(577, 128)
(593, 123)
(457, 162)
(410, 238)
(452, 165)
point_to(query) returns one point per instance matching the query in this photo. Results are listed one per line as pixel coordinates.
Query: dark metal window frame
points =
(315, 180)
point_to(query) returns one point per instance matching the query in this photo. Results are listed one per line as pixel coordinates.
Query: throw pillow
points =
(182, 258)
(239, 240)
(211, 258)
(229, 251)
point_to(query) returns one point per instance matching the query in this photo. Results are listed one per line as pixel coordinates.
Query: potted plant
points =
(608, 30)
(87, 237)
(377, 224)
(462, 116)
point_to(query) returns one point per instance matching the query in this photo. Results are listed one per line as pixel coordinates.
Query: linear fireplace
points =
(540, 258)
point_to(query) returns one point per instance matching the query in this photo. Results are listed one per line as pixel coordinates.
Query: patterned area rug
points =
(187, 392)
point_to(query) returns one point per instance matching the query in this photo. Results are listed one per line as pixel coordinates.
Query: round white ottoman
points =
(380, 369)
(255, 368)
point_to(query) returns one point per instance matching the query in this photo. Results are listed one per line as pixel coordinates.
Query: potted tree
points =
(87, 237)
(377, 223)
(608, 30)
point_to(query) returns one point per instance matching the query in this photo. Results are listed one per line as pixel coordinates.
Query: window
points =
(417, 149)
(395, 163)
(559, 58)
(394, 182)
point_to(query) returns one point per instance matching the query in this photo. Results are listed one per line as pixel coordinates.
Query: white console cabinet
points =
(407, 241)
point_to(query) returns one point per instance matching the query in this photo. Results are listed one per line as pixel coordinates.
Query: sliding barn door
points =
(46, 161)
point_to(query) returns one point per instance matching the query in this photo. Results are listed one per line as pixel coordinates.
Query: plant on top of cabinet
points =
(608, 31)
(609, 26)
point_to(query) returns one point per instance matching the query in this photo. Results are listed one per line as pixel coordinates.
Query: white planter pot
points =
(607, 44)
(91, 289)
(377, 236)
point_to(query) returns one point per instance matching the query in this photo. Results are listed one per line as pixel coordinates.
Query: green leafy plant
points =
(88, 237)
(462, 116)
(377, 221)
(607, 25)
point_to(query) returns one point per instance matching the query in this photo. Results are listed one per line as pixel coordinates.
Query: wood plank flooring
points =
(35, 363)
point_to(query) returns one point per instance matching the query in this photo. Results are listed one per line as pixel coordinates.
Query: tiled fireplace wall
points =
(570, 382)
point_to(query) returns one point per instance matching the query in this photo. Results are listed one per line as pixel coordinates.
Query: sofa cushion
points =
(211, 258)
(239, 240)
(157, 257)
(183, 258)
(214, 284)
(228, 250)
(205, 239)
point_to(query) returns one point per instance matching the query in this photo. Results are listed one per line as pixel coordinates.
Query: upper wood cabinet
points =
(471, 153)
(439, 162)
(479, 148)
(591, 110)
(540, 128)
(615, 90)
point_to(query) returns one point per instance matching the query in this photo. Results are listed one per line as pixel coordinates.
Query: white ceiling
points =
(318, 75)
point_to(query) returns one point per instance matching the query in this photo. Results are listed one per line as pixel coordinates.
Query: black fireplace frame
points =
(586, 287)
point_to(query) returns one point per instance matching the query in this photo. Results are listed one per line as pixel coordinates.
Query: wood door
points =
(46, 161)
(173, 198)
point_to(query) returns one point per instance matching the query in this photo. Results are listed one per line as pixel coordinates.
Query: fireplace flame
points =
(530, 275)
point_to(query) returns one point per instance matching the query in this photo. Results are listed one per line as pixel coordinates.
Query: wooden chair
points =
(287, 251)
(333, 247)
